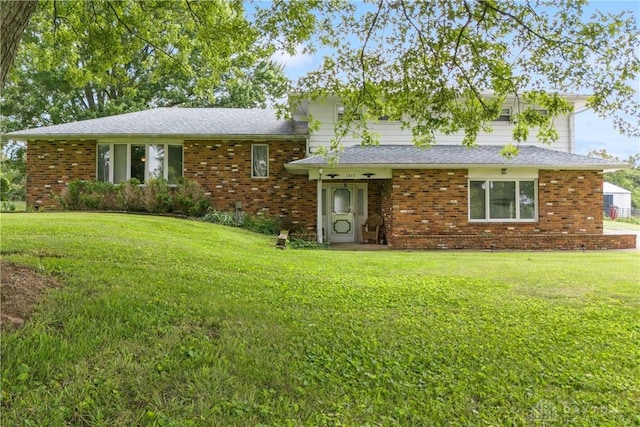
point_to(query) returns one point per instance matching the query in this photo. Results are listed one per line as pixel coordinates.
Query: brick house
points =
(446, 196)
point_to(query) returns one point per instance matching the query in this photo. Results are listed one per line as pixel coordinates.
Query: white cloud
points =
(295, 65)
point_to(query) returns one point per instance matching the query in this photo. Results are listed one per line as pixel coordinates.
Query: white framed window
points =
(503, 200)
(341, 111)
(505, 116)
(259, 161)
(121, 162)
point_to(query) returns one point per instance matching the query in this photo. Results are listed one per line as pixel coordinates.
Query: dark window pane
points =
(502, 199)
(527, 200)
(103, 162)
(137, 162)
(477, 200)
(175, 164)
(120, 162)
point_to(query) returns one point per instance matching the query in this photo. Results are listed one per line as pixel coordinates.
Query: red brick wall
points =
(223, 168)
(52, 164)
(436, 202)
(421, 208)
(570, 201)
(428, 209)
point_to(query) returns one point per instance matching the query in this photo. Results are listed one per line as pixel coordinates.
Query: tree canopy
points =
(433, 63)
(86, 59)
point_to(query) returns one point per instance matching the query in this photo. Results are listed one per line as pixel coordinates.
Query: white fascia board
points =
(129, 137)
(343, 167)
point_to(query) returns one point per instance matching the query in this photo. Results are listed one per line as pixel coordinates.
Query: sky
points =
(591, 131)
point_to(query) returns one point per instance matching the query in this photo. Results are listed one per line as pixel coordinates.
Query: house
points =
(446, 196)
(617, 201)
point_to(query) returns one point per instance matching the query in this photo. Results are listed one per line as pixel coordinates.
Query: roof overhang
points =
(359, 171)
(383, 158)
(24, 137)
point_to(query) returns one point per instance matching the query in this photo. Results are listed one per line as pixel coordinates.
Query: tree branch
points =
(133, 33)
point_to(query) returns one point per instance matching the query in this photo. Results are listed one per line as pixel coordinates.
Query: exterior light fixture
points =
(503, 171)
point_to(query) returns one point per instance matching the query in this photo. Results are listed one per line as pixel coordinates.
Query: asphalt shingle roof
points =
(458, 155)
(178, 122)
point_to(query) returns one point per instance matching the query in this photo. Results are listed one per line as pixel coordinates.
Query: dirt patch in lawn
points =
(20, 289)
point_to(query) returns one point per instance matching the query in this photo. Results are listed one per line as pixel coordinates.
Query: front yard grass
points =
(168, 322)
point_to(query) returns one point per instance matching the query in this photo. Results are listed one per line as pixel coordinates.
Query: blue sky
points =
(592, 132)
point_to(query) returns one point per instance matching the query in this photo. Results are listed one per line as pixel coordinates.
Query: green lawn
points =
(170, 322)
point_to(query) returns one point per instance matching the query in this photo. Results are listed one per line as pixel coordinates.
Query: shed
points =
(618, 197)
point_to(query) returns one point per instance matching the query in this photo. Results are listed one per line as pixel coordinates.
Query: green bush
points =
(189, 199)
(222, 218)
(629, 220)
(89, 195)
(297, 243)
(269, 225)
(130, 197)
(7, 206)
(4, 188)
(262, 224)
(156, 196)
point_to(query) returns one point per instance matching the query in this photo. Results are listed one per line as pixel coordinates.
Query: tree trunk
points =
(14, 17)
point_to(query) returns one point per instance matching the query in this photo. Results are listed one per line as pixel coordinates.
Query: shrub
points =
(4, 188)
(630, 220)
(269, 225)
(222, 218)
(88, 195)
(297, 243)
(257, 223)
(189, 199)
(130, 196)
(156, 197)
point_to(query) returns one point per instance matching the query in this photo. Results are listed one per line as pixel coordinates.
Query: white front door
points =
(347, 206)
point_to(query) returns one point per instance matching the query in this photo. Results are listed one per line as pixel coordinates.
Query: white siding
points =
(391, 133)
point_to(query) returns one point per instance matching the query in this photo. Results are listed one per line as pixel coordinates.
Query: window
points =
(502, 200)
(104, 160)
(505, 116)
(341, 111)
(259, 161)
(121, 162)
(342, 201)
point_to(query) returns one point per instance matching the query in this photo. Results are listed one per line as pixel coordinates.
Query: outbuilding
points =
(617, 201)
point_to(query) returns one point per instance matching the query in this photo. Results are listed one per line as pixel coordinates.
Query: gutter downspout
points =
(319, 238)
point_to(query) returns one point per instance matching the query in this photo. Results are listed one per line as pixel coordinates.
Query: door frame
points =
(359, 210)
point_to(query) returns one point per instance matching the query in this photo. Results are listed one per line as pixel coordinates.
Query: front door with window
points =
(346, 210)
(342, 227)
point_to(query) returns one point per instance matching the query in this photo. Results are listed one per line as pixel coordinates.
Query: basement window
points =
(503, 200)
(120, 162)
